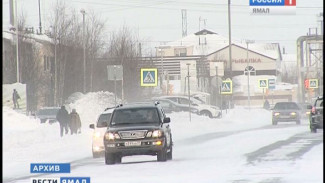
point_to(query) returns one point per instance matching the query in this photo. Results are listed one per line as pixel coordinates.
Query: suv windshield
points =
(103, 120)
(287, 105)
(133, 116)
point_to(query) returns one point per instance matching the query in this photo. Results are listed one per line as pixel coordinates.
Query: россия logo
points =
(272, 7)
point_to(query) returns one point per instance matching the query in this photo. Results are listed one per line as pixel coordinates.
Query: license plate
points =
(285, 116)
(133, 143)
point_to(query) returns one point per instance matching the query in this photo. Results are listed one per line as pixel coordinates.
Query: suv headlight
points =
(111, 136)
(155, 134)
(97, 135)
(276, 114)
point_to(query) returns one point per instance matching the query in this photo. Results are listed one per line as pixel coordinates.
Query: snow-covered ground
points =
(199, 156)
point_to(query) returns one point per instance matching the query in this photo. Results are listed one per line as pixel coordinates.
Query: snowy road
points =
(241, 156)
(241, 147)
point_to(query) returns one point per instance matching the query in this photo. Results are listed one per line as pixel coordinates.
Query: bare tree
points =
(123, 48)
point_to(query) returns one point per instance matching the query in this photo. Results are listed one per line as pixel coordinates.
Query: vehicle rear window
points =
(103, 120)
(133, 116)
(284, 106)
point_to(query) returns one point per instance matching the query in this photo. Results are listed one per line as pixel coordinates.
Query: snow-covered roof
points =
(215, 42)
(10, 35)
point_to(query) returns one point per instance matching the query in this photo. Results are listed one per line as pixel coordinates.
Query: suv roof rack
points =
(119, 105)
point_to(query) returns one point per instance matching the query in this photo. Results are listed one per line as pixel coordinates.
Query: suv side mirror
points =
(309, 107)
(92, 126)
(167, 120)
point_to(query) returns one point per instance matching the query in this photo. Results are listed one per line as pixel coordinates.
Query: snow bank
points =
(27, 141)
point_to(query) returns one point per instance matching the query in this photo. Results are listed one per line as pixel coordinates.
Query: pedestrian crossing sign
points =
(263, 83)
(313, 83)
(226, 87)
(149, 77)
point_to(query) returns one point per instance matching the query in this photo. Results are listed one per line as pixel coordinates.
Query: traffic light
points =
(306, 83)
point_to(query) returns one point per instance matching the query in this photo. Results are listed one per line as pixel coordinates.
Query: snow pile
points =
(91, 105)
(27, 141)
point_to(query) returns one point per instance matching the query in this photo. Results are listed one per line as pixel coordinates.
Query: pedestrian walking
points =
(266, 105)
(63, 118)
(15, 97)
(75, 122)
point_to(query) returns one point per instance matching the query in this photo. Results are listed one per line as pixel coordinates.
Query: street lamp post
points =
(83, 12)
(188, 88)
(248, 74)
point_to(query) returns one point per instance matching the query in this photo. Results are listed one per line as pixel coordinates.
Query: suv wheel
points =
(274, 122)
(313, 130)
(170, 153)
(118, 159)
(162, 154)
(96, 154)
(206, 113)
(109, 159)
(298, 122)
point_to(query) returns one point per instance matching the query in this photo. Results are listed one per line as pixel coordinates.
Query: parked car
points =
(99, 131)
(203, 109)
(305, 112)
(171, 106)
(47, 114)
(285, 112)
(316, 115)
(138, 129)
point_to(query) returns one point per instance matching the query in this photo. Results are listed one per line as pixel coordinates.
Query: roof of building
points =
(206, 42)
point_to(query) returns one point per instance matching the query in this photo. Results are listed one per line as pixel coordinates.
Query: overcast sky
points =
(158, 21)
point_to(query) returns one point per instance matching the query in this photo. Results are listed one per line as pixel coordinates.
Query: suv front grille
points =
(135, 134)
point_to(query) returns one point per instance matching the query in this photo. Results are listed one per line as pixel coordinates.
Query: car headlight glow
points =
(276, 114)
(97, 134)
(157, 133)
(110, 136)
(293, 114)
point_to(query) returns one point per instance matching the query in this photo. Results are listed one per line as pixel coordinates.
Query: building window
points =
(45, 66)
(180, 51)
(251, 70)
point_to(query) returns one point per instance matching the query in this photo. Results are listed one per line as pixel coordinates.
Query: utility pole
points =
(17, 40)
(83, 12)
(55, 63)
(248, 74)
(184, 23)
(188, 88)
(39, 14)
(114, 85)
(229, 27)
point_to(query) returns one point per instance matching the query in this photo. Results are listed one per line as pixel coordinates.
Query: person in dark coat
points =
(266, 105)
(75, 123)
(63, 118)
(15, 97)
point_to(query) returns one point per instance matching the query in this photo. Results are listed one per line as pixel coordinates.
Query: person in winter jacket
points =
(15, 97)
(75, 123)
(266, 105)
(63, 118)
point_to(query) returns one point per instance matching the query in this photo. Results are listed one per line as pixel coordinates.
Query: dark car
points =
(285, 112)
(138, 129)
(170, 106)
(47, 114)
(316, 115)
